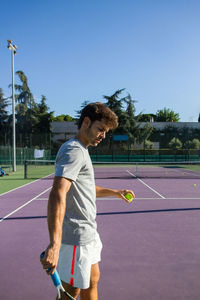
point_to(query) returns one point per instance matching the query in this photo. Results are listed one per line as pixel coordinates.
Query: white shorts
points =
(74, 265)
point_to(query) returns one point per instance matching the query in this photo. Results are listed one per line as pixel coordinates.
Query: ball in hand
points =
(129, 197)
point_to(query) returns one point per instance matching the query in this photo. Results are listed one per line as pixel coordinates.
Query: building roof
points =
(71, 127)
(179, 125)
(64, 127)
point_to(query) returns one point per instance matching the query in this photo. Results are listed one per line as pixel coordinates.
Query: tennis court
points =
(151, 246)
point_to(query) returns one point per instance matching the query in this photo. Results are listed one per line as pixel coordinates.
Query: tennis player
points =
(75, 246)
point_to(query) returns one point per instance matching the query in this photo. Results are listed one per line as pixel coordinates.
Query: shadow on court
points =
(24, 218)
(146, 211)
(115, 213)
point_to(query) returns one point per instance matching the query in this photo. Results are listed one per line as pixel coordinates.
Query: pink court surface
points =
(151, 247)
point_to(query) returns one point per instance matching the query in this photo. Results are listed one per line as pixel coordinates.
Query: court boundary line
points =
(22, 206)
(18, 188)
(136, 198)
(146, 184)
(23, 185)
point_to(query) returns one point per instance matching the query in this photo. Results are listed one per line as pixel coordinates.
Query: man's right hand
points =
(50, 260)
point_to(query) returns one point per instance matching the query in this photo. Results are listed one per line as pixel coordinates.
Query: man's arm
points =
(105, 192)
(55, 216)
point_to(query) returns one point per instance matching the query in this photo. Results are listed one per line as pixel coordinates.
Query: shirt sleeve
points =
(69, 163)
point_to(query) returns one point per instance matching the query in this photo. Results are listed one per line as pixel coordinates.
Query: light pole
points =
(13, 49)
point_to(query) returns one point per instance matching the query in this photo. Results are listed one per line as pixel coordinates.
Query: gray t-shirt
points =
(73, 162)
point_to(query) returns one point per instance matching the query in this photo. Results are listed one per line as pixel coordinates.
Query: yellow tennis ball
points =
(194, 185)
(129, 197)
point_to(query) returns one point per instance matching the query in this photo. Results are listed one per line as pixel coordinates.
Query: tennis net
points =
(35, 169)
(184, 169)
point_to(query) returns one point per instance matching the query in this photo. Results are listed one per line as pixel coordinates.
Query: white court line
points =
(21, 186)
(146, 185)
(109, 199)
(136, 198)
(22, 206)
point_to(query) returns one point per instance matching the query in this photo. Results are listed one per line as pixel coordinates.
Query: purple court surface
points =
(151, 247)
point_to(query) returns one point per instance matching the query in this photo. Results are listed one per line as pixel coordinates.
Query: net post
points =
(25, 169)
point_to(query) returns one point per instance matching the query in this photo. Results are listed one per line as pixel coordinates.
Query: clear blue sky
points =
(78, 50)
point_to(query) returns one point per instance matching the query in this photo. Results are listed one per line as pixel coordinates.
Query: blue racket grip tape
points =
(55, 276)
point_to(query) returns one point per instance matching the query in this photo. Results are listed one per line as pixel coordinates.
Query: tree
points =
(167, 115)
(78, 112)
(148, 144)
(144, 133)
(115, 103)
(148, 118)
(25, 96)
(43, 118)
(134, 127)
(130, 112)
(3, 113)
(128, 122)
(175, 143)
(199, 118)
(63, 118)
(194, 144)
(25, 107)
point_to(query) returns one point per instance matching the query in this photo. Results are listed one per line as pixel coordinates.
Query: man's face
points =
(96, 132)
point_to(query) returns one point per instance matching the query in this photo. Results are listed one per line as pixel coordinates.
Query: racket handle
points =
(55, 276)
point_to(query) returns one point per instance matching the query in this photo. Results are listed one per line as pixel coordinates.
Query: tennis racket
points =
(57, 282)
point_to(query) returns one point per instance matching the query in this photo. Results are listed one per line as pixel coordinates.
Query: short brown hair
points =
(99, 112)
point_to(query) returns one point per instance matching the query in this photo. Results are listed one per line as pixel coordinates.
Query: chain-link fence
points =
(39, 140)
(169, 144)
(22, 154)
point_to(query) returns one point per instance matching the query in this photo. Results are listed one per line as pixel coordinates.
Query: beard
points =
(93, 139)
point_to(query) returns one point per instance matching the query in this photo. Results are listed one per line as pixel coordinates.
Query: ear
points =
(87, 122)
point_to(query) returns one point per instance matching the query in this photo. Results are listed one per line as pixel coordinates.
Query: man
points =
(74, 239)
(2, 173)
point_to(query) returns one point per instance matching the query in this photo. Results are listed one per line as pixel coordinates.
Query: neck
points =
(80, 136)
